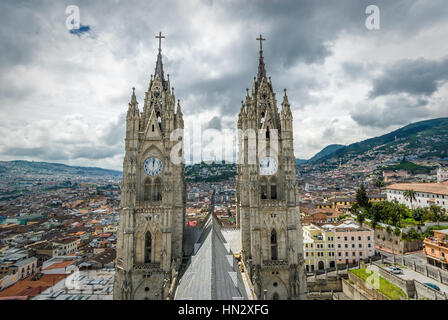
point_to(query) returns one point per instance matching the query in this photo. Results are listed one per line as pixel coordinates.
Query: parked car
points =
(395, 270)
(432, 285)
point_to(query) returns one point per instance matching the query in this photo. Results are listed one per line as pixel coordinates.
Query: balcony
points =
(273, 203)
(148, 267)
(275, 263)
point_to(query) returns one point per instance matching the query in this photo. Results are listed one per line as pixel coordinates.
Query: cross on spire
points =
(261, 39)
(160, 40)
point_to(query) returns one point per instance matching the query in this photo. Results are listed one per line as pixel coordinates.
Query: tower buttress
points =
(267, 202)
(149, 246)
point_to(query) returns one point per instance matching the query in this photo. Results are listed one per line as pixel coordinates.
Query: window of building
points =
(157, 194)
(147, 190)
(264, 189)
(273, 188)
(148, 246)
(274, 255)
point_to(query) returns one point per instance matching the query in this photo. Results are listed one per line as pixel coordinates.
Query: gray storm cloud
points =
(333, 67)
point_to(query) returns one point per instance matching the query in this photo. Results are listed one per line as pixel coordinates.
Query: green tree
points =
(411, 235)
(361, 197)
(435, 213)
(418, 214)
(411, 196)
(379, 183)
(361, 215)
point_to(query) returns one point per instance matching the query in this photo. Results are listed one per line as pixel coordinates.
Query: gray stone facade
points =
(149, 247)
(267, 202)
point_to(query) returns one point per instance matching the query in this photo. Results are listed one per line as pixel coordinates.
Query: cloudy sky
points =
(63, 95)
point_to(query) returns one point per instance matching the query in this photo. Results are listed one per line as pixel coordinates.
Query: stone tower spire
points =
(152, 207)
(159, 63)
(261, 69)
(267, 203)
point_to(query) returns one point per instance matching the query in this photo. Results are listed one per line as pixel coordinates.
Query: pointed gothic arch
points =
(148, 246)
(147, 190)
(263, 188)
(274, 245)
(157, 190)
(273, 188)
(159, 120)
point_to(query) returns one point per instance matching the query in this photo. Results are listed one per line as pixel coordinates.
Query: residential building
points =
(436, 249)
(442, 175)
(8, 279)
(66, 246)
(352, 242)
(25, 267)
(319, 248)
(427, 194)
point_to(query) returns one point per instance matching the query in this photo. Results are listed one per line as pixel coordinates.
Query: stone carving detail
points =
(159, 115)
(270, 254)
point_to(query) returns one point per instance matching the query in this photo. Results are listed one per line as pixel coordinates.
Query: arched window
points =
(273, 188)
(263, 189)
(148, 246)
(147, 190)
(275, 296)
(157, 194)
(274, 251)
(268, 134)
(159, 120)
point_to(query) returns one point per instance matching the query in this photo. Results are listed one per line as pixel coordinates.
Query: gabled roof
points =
(435, 188)
(212, 273)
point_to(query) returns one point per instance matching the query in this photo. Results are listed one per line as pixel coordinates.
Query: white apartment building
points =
(352, 242)
(318, 248)
(442, 175)
(427, 194)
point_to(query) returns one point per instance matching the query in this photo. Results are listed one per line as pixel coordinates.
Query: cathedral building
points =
(267, 198)
(149, 247)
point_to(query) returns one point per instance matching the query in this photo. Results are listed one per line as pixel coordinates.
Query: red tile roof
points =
(26, 288)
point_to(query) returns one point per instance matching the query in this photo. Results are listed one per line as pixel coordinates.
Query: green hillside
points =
(425, 139)
(326, 152)
(410, 167)
(47, 168)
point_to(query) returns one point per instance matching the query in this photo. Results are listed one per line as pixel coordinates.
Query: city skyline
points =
(65, 92)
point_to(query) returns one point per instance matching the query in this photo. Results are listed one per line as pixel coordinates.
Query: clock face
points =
(153, 166)
(268, 166)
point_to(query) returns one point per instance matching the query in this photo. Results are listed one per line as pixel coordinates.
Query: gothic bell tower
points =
(149, 247)
(267, 200)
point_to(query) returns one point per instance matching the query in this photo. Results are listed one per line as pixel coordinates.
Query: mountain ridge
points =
(423, 139)
(50, 168)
